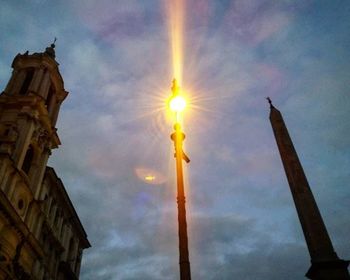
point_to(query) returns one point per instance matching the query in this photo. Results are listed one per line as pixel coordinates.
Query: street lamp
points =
(177, 104)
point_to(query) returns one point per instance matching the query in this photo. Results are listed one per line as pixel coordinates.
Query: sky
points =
(115, 58)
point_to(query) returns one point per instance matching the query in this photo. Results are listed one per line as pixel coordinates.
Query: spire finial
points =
(53, 44)
(270, 102)
(51, 50)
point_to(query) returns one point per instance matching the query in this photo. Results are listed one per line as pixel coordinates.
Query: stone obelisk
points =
(325, 264)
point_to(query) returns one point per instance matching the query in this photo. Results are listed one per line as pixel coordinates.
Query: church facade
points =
(41, 236)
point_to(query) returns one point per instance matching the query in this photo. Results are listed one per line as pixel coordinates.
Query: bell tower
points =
(41, 236)
(29, 108)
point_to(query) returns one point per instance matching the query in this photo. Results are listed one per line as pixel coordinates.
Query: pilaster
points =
(37, 178)
(26, 127)
(45, 84)
(51, 106)
(12, 82)
(55, 112)
(18, 81)
(38, 76)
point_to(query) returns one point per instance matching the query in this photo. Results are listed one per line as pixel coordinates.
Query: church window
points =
(28, 159)
(27, 80)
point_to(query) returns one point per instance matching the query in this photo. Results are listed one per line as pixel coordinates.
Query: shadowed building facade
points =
(325, 264)
(41, 236)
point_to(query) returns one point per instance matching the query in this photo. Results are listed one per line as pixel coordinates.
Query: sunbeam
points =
(176, 16)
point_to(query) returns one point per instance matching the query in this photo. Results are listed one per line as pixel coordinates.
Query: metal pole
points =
(185, 271)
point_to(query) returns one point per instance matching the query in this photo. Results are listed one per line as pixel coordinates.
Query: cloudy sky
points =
(115, 59)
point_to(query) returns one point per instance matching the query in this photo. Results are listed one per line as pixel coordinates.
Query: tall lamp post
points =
(177, 104)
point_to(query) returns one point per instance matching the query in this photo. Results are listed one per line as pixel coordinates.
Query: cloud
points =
(254, 21)
(115, 60)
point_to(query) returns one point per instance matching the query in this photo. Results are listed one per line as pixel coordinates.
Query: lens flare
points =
(150, 175)
(150, 178)
(176, 17)
(177, 104)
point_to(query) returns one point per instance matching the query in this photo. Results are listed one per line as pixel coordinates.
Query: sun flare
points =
(176, 16)
(177, 104)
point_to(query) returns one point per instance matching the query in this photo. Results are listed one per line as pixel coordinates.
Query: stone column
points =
(45, 84)
(48, 207)
(12, 82)
(38, 226)
(38, 75)
(53, 214)
(37, 178)
(31, 216)
(63, 231)
(78, 264)
(59, 227)
(5, 173)
(66, 242)
(18, 81)
(55, 113)
(51, 106)
(11, 184)
(26, 128)
(74, 253)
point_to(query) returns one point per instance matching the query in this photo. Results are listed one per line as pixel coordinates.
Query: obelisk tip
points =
(270, 102)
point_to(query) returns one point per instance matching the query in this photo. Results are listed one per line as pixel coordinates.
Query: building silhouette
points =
(325, 264)
(41, 236)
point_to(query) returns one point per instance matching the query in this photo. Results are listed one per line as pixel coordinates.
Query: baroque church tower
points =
(41, 236)
(29, 110)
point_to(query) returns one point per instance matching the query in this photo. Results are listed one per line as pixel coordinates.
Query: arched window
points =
(27, 80)
(28, 159)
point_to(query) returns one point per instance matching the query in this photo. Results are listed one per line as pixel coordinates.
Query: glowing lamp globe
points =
(177, 103)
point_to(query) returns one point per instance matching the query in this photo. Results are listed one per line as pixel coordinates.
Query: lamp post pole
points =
(178, 136)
